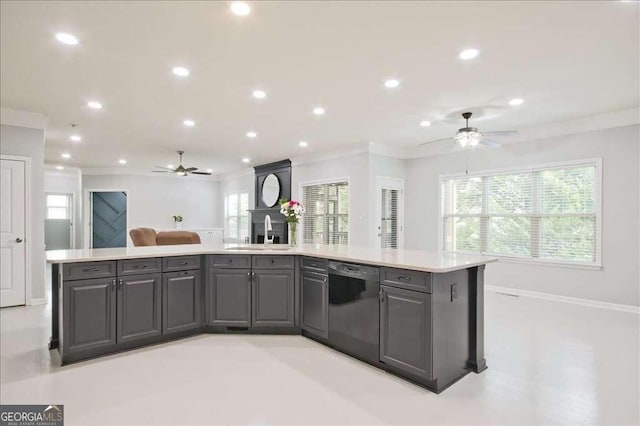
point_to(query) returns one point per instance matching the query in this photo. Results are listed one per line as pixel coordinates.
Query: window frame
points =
(239, 216)
(328, 182)
(595, 162)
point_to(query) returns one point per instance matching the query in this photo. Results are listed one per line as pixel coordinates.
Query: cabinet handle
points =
(113, 285)
(249, 276)
(184, 263)
(90, 270)
(404, 278)
(381, 296)
(120, 284)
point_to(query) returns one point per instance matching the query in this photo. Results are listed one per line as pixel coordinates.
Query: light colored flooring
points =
(549, 363)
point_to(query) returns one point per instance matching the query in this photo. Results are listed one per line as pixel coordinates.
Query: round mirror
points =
(270, 190)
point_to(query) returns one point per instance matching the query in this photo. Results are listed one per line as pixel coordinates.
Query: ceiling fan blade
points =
(165, 168)
(190, 169)
(489, 143)
(437, 140)
(201, 173)
(501, 134)
(161, 171)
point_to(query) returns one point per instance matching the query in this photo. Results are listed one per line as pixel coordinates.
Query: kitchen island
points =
(415, 314)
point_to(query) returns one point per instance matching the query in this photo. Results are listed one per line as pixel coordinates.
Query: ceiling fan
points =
(469, 137)
(181, 170)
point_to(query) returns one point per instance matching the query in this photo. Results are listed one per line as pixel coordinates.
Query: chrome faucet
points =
(267, 228)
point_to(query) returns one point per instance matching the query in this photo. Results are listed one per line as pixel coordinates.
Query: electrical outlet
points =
(454, 292)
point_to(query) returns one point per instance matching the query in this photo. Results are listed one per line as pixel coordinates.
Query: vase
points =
(292, 234)
(178, 225)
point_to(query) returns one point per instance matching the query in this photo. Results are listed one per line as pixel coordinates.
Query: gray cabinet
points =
(229, 297)
(89, 312)
(315, 303)
(272, 295)
(181, 301)
(139, 307)
(405, 331)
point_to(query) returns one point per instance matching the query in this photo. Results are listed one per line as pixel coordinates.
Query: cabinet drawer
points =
(402, 278)
(272, 262)
(314, 264)
(85, 270)
(139, 266)
(180, 263)
(229, 261)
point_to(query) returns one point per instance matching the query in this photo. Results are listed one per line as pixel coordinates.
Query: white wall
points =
(618, 281)
(68, 181)
(29, 142)
(153, 200)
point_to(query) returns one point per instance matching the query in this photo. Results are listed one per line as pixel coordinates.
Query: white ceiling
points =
(566, 59)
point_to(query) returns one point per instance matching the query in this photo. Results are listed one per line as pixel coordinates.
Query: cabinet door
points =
(229, 297)
(89, 314)
(181, 301)
(139, 307)
(272, 298)
(405, 330)
(315, 303)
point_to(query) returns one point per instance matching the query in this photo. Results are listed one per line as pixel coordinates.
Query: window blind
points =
(389, 218)
(546, 213)
(236, 215)
(326, 220)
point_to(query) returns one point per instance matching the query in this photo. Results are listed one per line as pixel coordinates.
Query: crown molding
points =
(121, 171)
(317, 157)
(14, 117)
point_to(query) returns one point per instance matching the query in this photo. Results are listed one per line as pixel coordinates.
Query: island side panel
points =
(476, 362)
(55, 319)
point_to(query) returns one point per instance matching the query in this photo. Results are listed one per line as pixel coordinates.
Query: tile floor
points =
(549, 363)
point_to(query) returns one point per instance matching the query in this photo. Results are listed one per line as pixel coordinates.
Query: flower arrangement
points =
(293, 211)
(177, 218)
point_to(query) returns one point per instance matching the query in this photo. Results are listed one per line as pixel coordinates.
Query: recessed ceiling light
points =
(468, 54)
(189, 123)
(75, 138)
(122, 161)
(180, 71)
(240, 8)
(209, 170)
(425, 123)
(259, 94)
(391, 84)
(65, 155)
(303, 144)
(169, 166)
(516, 101)
(252, 135)
(94, 105)
(67, 38)
(59, 168)
(318, 111)
(246, 160)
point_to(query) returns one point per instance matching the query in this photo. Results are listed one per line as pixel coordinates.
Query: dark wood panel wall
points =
(282, 169)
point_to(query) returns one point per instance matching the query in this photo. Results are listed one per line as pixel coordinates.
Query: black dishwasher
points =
(354, 314)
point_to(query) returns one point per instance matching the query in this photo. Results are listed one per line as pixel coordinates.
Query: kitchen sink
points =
(260, 247)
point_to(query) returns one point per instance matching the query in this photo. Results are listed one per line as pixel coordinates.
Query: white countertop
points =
(417, 260)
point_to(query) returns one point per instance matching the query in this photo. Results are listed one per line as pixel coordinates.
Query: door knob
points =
(18, 240)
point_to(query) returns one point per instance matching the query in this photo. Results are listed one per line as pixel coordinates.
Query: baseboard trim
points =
(38, 301)
(564, 299)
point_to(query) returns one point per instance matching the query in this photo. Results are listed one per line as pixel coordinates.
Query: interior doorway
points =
(59, 221)
(108, 212)
(390, 211)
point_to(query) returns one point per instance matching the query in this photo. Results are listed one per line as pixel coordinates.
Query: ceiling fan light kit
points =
(470, 137)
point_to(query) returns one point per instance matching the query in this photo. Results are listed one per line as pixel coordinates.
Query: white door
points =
(12, 227)
(390, 221)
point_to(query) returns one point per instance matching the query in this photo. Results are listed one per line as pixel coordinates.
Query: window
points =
(236, 216)
(326, 220)
(548, 213)
(58, 206)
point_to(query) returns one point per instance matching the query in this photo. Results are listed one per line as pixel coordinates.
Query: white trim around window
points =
(240, 232)
(536, 214)
(301, 187)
